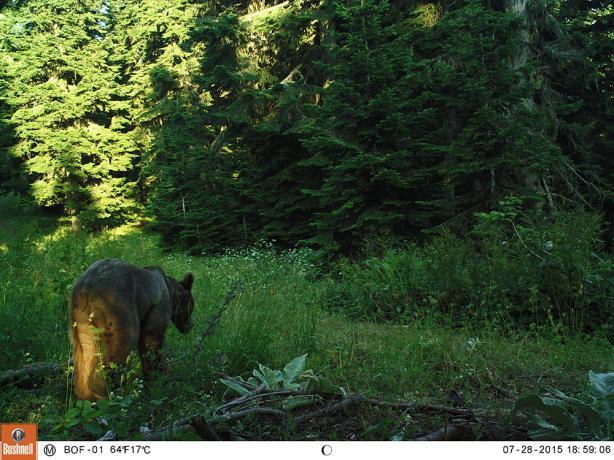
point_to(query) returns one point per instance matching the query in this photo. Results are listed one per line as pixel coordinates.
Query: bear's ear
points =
(188, 279)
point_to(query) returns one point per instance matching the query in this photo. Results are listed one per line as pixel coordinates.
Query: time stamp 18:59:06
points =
(545, 449)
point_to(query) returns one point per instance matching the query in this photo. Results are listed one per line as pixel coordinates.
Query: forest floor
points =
(276, 316)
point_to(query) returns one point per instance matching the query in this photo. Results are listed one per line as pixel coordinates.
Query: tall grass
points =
(288, 307)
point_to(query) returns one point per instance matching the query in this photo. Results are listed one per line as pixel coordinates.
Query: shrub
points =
(511, 267)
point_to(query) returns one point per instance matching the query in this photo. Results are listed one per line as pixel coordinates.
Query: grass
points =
(279, 315)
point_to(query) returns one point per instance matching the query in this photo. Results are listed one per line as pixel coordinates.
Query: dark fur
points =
(117, 308)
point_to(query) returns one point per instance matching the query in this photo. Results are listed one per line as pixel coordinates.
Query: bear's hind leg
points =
(88, 379)
(118, 340)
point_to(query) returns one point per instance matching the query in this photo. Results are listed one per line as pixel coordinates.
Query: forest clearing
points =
(280, 314)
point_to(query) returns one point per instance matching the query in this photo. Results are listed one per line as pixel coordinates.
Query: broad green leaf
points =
(323, 385)
(72, 413)
(93, 428)
(593, 419)
(89, 412)
(564, 397)
(541, 430)
(125, 402)
(83, 404)
(293, 369)
(601, 385)
(234, 386)
(398, 437)
(551, 407)
(103, 404)
(73, 422)
(269, 377)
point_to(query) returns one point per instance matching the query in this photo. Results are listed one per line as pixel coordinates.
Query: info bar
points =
(343, 450)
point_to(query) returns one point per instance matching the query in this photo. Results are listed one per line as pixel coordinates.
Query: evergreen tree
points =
(63, 94)
(316, 121)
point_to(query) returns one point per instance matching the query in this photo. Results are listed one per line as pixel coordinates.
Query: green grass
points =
(278, 316)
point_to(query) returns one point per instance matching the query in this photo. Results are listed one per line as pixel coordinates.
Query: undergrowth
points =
(290, 305)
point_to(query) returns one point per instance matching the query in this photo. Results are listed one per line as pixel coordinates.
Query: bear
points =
(117, 307)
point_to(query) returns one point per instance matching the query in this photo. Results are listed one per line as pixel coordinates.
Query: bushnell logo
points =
(18, 441)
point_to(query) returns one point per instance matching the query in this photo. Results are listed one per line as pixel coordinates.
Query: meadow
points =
(282, 308)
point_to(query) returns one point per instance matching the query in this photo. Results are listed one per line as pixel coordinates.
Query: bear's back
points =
(108, 275)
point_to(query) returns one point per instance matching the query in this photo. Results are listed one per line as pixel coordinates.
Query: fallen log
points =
(26, 375)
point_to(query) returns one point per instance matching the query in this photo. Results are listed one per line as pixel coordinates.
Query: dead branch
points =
(289, 78)
(203, 429)
(25, 375)
(447, 433)
(236, 289)
(195, 424)
(576, 192)
(526, 247)
(250, 395)
(263, 12)
(259, 393)
(583, 179)
(344, 404)
(170, 432)
(423, 407)
(243, 413)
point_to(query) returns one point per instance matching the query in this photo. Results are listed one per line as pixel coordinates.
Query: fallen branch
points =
(344, 404)
(246, 397)
(413, 407)
(243, 413)
(24, 376)
(259, 393)
(169, 433)
(195, 424)
(201, 426)
(447, 433)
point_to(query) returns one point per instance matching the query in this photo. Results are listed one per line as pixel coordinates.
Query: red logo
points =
(18, 441)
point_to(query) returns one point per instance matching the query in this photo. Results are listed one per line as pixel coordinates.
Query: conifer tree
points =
(64, 96)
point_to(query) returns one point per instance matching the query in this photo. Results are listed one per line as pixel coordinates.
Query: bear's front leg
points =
(150, 349)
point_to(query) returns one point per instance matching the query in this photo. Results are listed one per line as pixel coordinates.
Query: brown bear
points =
(117, 308)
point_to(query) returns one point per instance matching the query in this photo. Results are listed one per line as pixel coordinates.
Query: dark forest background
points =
(324, 123)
